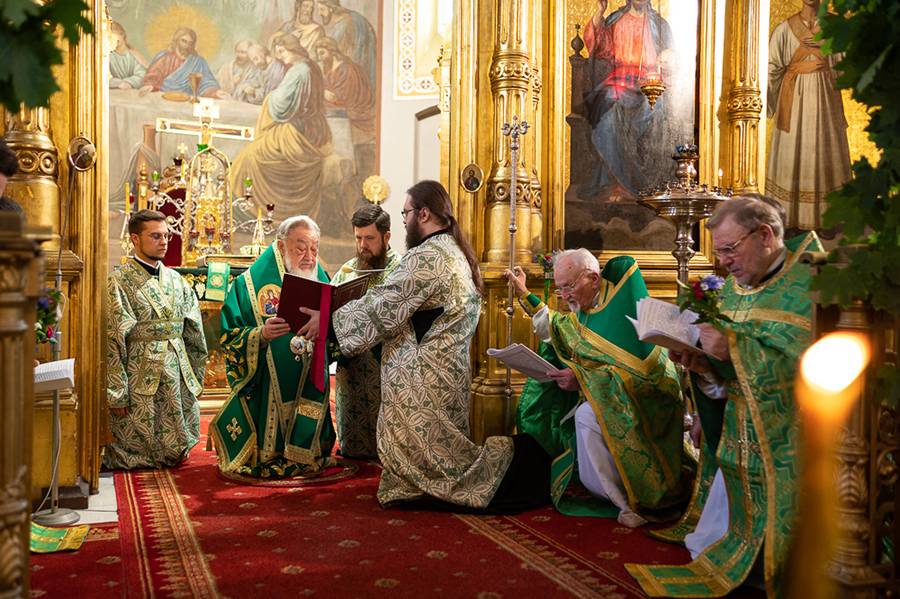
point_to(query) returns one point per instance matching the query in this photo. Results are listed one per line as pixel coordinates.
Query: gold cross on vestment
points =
(234, 429)
(207, 112)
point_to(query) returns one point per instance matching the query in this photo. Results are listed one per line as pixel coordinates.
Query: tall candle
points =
(828, 385)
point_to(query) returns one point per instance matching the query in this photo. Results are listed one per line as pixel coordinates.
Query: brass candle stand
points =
(684, 202)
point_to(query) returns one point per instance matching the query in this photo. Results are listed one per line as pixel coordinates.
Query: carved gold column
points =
(34, 187)
(744, 104)
(867, 452)
(859, 467)
(40, 137)
(537, 202)
(510, 75)
(504, 49)
(82, 106)
(21, 279)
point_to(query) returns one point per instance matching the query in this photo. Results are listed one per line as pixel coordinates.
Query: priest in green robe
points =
(747, 408)
(623, 394)
(276, 422)
(424, 314)
(358, 379)
(156, 354)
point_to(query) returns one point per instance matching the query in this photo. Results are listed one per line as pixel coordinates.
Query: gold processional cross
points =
(207, 112)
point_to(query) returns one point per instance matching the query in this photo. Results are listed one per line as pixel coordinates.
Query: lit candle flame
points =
(829, 367)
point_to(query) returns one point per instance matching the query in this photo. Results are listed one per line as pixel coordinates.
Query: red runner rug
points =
(185, 532)
(95, 570)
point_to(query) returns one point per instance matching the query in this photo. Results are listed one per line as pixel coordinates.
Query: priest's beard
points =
(372, 261)
(296, 270)
(574, 305)
(414, 234)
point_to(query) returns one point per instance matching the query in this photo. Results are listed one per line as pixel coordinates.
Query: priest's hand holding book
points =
(275, 327)
(566, 379)
(310, 331)
(695, 361)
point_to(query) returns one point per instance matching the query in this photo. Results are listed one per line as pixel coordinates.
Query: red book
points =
(298, 292)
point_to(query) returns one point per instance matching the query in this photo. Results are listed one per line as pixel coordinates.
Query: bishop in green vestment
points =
(156, 355)
(358, 379)
(276, 422)
(754, 427)
(623, 395)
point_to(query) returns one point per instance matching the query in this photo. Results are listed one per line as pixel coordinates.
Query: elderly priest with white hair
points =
(628, 424)
(276, 422)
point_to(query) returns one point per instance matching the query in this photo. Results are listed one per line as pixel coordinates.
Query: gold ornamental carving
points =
(13, 525)
(21, 277)
(510, 76)
(537, 215)
(35, 187)
(744, 104)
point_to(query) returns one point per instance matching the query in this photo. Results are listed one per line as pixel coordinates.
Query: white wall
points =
(410, 150)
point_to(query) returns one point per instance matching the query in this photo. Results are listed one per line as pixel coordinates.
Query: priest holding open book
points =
(746, 405)
(628, 432)
(276, 421)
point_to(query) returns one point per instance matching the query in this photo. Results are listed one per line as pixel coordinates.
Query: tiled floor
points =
(102, 507)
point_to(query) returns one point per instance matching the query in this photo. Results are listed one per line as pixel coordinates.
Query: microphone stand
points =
(56, 516)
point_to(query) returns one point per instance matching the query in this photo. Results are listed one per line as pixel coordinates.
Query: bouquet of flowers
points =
(703, 298)
(49, 313)
(546, 260)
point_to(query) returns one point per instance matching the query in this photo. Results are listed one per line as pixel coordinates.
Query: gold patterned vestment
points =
(357, 383)
(424, 314)
(156, 358)
(275, 423)
(634, 392)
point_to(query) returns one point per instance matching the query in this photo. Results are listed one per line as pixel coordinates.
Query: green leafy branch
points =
(864, 31)
(28, 47)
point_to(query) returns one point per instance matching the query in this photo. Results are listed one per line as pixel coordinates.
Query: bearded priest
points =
(276, 422)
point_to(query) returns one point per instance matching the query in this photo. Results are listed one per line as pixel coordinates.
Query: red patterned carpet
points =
(185, 532)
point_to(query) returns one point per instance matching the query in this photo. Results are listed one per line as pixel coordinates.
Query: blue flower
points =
(713, 282)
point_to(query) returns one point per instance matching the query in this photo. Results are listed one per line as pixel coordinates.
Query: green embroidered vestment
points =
(275, 422)
(758, 451)
(634, 391)
(156, 358)
(358, 383)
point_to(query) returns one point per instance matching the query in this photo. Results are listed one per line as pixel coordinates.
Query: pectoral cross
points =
(207, 112)
(234, 429)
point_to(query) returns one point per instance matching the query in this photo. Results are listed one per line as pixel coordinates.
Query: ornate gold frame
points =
(494, 68)
(658, 267)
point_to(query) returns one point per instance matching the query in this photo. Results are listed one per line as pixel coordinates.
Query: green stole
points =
(275, 422)
(618, 374)
(758, 450)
